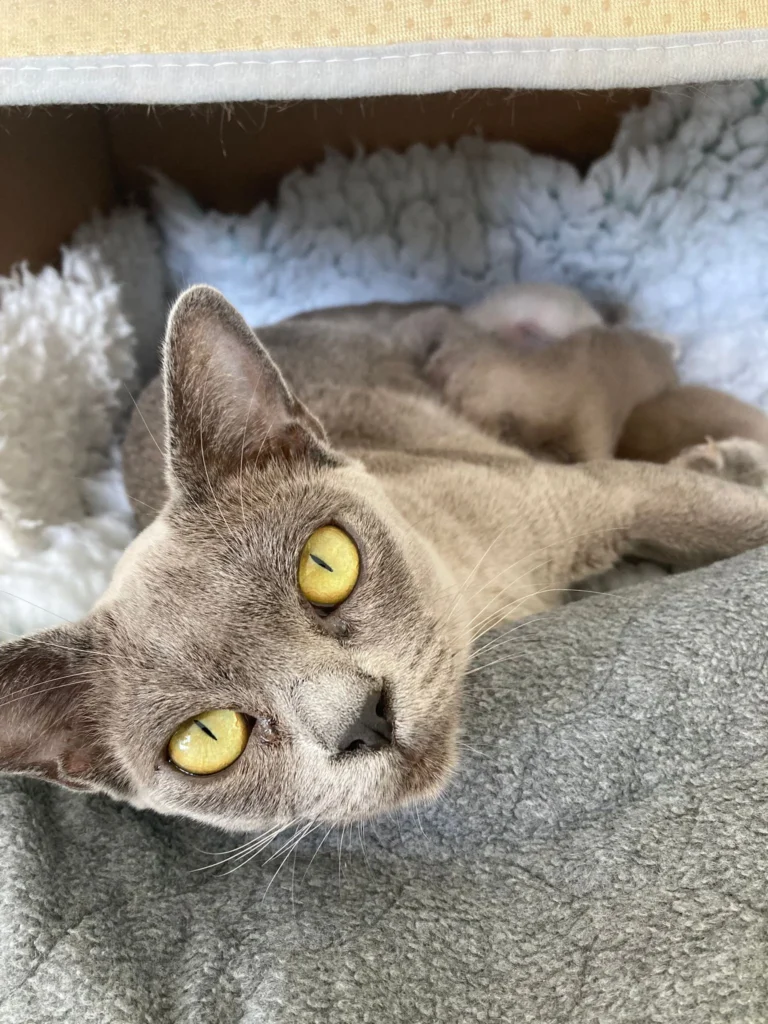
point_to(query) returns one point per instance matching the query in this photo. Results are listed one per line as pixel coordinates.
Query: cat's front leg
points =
(669, 514)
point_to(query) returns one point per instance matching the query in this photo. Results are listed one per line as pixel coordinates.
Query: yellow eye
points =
(209, 742)
(328, 567)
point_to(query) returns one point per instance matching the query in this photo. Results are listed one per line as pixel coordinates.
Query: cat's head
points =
(279, 614)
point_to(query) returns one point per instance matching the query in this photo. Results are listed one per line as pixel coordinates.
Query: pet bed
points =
(601, 854)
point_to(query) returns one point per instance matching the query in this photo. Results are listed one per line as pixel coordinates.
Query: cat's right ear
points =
(227, 404)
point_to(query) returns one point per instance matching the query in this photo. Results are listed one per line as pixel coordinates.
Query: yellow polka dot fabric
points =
(46, 28)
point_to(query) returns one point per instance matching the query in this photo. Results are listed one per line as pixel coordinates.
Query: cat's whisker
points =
(504, 638)
(341, 844)
(34, 638)
(312, 858)
(292, 843)
(361, 833)
(495, 618)
(498, 661)
(462, 587)
(527, 622)
(280, 865)
(293, 881)
(253, 839)
(497, 641)
(545, 547)
(217, 853)
(146, 504)
(530, 554)
(46, 684)
(474, 750)
(41, 691)
(141, 415)
(263, 841)
(303, 831)
(488, 583)
(505, 613)
(255, 846)
(248, 855)
(17, 597)
(478, 563)
(503, 590)
(267, 432)
(418, 819)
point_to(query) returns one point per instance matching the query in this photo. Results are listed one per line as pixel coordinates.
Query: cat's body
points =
(454, 532)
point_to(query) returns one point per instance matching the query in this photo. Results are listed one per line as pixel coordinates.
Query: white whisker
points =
(305, 831)
(320, 845)
(39, 607)
(141, 414)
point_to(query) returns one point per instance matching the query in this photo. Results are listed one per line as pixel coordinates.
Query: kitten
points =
(286, 640)
(566, 398)
(549, 374)
(660, 428)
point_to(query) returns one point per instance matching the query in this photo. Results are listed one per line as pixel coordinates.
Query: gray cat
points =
(286, 640)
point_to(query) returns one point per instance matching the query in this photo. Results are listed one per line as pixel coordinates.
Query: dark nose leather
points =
(371, 730)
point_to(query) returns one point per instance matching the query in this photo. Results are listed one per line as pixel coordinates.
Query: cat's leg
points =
(667, 514)
(737, 459)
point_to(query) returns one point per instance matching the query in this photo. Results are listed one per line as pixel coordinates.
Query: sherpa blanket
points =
(601, 854)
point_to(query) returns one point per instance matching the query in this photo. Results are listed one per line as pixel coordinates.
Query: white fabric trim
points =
(420, 68)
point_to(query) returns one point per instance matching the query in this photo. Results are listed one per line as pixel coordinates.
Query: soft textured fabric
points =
(39, 28)
(672, 223)
(445, 65)
(69, 344)
(600, 856)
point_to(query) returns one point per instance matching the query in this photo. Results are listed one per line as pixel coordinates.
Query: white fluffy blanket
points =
(672, 222)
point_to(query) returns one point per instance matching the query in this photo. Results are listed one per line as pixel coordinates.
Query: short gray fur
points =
(601, 857)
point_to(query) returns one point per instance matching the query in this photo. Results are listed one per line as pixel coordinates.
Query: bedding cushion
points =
(600, 856)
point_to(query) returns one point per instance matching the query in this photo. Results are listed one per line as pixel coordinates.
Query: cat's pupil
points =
(205, 729)
(318, 561)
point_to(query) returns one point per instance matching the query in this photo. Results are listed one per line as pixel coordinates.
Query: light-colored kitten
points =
(219, 677)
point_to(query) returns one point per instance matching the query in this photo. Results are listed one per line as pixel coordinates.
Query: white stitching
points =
(393, 56)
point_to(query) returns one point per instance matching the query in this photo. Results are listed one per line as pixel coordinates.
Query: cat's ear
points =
(48, 725)
(227, 403)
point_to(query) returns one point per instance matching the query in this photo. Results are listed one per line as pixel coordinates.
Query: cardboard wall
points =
(58, 165)
(55, 170)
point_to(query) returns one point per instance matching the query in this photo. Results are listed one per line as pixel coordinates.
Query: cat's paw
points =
(738, 459)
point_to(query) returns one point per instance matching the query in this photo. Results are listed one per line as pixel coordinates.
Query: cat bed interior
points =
(672, 223)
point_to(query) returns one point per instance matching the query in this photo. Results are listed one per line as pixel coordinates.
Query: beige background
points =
(44, 28)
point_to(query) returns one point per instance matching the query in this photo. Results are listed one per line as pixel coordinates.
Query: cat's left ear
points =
(227, 404)
(50, 727)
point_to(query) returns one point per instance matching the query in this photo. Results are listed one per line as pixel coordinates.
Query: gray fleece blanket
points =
(601, 856)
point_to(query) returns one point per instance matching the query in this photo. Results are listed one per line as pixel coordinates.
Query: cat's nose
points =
(372, 729)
